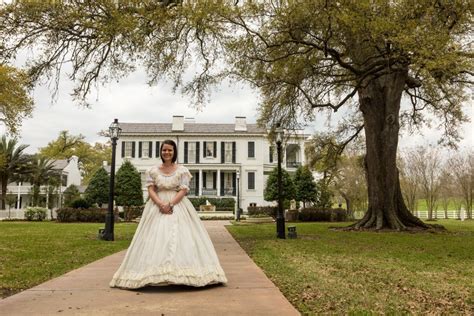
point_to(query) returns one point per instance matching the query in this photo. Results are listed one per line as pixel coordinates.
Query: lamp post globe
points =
(108, 232)
(280, 220)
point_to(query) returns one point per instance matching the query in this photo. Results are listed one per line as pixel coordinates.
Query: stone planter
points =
(259, 220)
(207, 208)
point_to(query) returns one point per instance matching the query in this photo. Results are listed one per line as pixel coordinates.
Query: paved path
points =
(85, 291)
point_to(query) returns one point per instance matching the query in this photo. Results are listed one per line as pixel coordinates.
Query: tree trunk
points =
(379, 101)
(4, 191)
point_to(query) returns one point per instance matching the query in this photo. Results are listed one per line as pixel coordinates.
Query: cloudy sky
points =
(132, 100)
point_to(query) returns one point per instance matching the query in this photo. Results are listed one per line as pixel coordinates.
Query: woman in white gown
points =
(171, 245)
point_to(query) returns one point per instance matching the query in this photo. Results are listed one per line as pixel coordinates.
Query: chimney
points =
(240, 124)
(178, 123)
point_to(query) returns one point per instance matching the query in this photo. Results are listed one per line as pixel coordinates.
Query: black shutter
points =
(157, 149)
(251, 181)
(185, 152)
(234, 185)
(222, 152)
(197, 152)
(123, 149)
(215, 150)
(196, 188)
(251, 149)
(140, 149)
(204, 150)
(150, 144)
(222, 183)
(271, 154)
(233, 152)
(214, 180)
(133, 149)
(204, 180)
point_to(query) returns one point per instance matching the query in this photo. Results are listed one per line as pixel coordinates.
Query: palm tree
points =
(12, 162)
(42, 169)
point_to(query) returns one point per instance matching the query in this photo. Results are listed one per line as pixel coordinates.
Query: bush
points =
(35, 213)
(132, 212)
(90, 215)
(221, 204)
(256, 211)
(323, 215)
(80, 203)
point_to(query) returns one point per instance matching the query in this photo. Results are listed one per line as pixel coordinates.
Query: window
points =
(272, 153)
(251, 181)
(251, 149)
(210, 149)
(128, 149)
(191, 152)
(228, 152)
(144, 149)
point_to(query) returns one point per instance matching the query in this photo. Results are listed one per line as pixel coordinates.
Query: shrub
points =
(35, 213)
(256, 211)
(91, 215)
(132, 212)
(80, 203)
(221, 204)
(323, 215)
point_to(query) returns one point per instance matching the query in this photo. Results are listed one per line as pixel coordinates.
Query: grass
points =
(337, 272)
(34, 252)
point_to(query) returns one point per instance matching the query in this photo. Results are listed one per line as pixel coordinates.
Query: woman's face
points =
(167, 152)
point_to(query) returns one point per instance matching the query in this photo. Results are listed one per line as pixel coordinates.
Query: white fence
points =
(452, 214)
(20, 214)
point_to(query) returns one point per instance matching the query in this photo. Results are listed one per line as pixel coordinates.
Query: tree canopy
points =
(128, 186)
(270, 192)
(98, 189)
(305, 58)
(15, 101)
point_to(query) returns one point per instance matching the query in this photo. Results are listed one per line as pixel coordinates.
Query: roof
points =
(194, 128)
(60, 164)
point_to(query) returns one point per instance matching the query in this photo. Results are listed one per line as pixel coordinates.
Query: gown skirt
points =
(169, 249)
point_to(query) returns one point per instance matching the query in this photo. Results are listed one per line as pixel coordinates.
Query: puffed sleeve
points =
(149, 177)
(185, 178)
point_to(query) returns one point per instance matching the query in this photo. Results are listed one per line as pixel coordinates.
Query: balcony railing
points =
(209, 191)
(293, 164)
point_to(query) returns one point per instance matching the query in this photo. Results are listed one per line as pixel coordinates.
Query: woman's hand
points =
(166, 209)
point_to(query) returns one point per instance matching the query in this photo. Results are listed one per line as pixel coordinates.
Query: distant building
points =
(214, 154)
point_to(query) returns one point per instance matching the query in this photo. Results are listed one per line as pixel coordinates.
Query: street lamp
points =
(238, 195)
(108, 233)
(280, 220)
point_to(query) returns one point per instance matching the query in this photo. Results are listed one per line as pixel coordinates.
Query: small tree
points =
(70, 194)
(304, 185)
(128, 187)
(324, 195)
(271, 187)
(98, 189)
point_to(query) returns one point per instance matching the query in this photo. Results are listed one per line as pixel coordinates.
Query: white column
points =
(218, 182)
(200, 182)
(18, 196)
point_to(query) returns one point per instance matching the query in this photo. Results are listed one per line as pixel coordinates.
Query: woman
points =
(171, 245)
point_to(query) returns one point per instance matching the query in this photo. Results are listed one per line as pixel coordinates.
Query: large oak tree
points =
(304, 57)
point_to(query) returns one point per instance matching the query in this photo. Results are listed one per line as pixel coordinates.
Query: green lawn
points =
(33, 252)
(337, 272)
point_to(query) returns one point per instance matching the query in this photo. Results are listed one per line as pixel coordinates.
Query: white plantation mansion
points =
(219, 156)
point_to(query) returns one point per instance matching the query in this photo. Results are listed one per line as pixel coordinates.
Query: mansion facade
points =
(225, 160)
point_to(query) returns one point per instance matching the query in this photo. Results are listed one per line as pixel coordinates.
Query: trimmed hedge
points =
(132, 212)
(89, 215)
(265, 210)
(323, 215)
(35, 213)
(221, 204)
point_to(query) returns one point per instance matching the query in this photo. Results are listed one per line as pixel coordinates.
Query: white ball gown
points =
(169, 248)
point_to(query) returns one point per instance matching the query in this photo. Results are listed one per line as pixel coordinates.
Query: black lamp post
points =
(238, 195)
(280, 220)
(108, 233)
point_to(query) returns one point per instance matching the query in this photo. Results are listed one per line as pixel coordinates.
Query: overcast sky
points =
(132, 100)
